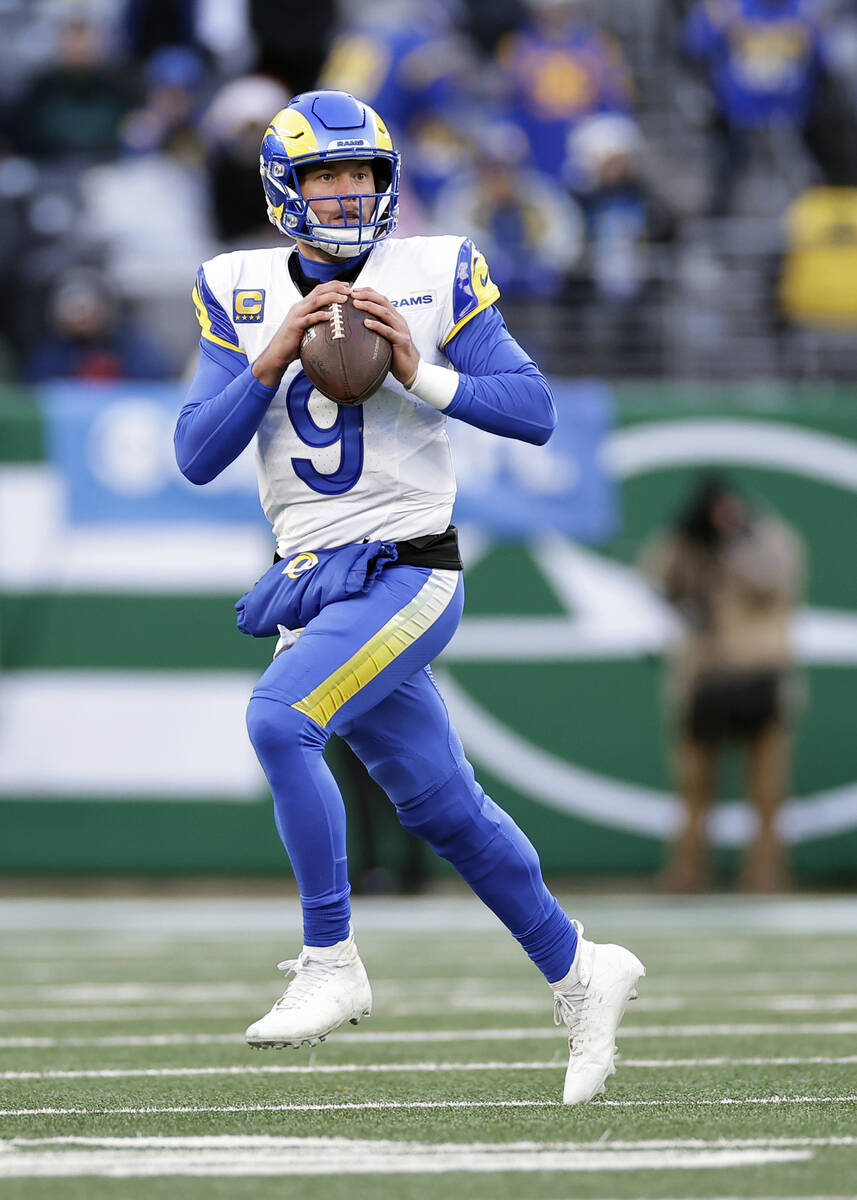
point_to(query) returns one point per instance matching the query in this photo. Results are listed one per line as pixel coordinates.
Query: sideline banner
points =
(113, 445)
(124, 642)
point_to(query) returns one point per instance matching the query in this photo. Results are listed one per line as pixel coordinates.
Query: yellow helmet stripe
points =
(382, 137)
(296, 132)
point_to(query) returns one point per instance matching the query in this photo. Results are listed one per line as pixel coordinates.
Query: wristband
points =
(434, 384)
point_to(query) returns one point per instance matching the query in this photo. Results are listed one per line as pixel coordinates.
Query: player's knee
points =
(455, 813)
(273, 725)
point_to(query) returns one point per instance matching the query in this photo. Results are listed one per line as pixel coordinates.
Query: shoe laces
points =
(571, 1008)
(309, 975)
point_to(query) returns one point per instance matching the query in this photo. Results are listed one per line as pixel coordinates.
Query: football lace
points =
(337, 321)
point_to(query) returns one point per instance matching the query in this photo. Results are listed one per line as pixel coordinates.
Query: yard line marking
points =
(478, 995)
(164, 1012)
(220, 917)
(369, 1037)
(431, 1067)
(336, 1156)
(272, 1141)
(153, 1039)
(385, 1105)
(222, 1009)
(129, 992)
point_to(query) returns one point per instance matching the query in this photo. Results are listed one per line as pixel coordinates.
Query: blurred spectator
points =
(148, 212)
(408, 62)
(174, 80)
(560, 68)
(91, 336)
(151, 24)
(292, 38)
(523, 222)
(233, 127)
(817, 283)
(219, 29)
(27, 46)
(485, 23)
(73, 109)
(734, 575)
(624, 215)
(766, 62)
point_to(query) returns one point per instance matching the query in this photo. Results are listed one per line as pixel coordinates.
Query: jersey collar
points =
(305, 283)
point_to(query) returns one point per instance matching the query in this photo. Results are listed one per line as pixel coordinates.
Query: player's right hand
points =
(284, 346)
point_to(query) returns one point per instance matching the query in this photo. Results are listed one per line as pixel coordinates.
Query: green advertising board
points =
(124, 681)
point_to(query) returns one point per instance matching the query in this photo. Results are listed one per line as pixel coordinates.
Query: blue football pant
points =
(360, 669)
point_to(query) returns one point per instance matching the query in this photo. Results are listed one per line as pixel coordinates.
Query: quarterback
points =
(366, 587)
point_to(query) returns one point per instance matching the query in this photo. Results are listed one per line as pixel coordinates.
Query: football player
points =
(366, 588)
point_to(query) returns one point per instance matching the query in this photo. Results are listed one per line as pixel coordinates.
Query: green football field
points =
(124, 1073)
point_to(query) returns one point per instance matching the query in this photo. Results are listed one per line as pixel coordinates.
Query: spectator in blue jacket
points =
(766, 62)
(560, 68)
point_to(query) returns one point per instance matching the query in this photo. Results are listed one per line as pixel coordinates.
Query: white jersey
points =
(329, 474)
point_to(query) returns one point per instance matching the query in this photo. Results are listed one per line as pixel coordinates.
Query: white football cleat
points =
(330, 986)
(591, 1002)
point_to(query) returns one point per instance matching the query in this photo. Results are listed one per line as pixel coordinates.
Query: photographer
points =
(734, 577)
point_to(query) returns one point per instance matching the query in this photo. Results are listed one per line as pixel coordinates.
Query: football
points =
(346, 361)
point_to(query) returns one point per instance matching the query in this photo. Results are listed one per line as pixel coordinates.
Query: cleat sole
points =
(297, 1043)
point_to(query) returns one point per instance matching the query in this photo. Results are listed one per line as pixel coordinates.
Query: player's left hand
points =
(384, 319)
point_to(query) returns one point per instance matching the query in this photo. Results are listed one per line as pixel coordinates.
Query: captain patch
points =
(248, 305)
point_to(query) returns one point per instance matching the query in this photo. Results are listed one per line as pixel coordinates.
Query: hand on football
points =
(284, 346)
(386, 320)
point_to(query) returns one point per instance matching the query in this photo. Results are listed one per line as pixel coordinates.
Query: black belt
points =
(437, 550)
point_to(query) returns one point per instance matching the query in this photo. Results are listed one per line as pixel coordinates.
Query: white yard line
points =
(161, 1012)
(154, 1039)
(412, 1067)
(393, 1037)
(66, 991)
(389, 1105)
(368, 1158)
(264, 1141)
(214, 1008)
(220, 917)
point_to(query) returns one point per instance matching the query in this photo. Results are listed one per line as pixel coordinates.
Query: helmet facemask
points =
(290, 211)
(357, 233)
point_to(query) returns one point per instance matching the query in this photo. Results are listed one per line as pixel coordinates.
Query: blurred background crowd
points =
(666, 194)
(649, 181)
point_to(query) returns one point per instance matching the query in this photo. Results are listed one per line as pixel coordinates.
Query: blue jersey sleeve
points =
(223, 409)
(500, 390)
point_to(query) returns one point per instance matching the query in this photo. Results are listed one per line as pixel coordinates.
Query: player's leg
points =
(689, 866)
(768, 753)
(348, 658)
(411, 748)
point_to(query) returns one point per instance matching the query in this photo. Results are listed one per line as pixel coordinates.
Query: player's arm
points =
(495, 385)
(500, 388)
(224, 407)
(228, 396)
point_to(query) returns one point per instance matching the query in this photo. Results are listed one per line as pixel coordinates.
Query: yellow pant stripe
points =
(400, 632)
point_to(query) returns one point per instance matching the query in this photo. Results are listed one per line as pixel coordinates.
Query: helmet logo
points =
(278, 169)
